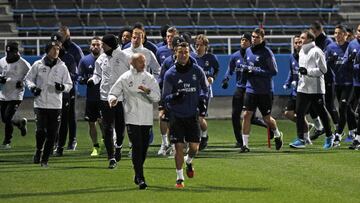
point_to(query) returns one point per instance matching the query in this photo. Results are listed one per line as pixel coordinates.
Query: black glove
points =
(36, 91)
(83, 81)
(332, 58)
(90, 83)
(59, 87)
(352, 56)
(302, 71)
(2, 79)
(225, 84)
(178, 95)
(247, 72)
(202, 107)
(19, 84)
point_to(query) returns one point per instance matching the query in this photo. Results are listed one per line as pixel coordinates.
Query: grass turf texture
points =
(222, 173)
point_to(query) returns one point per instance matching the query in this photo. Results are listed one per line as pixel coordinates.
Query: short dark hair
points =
(348, 29)
(96, 38)
(260, 32)
(341, 27)
(124, 29)
(309, 34)
(316, 26)
(138, 25)
(183, 44)
(163, 30)
(296, 36)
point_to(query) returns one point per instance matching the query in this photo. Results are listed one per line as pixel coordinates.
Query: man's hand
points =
(302, 71)
(59, 87)
(210, 80)
(36, 91)
(90, 83)
(178, 95)
(83, 81)
(3, 79)
(113, 102)
(19, 84)
(225, 83)
(144, 89)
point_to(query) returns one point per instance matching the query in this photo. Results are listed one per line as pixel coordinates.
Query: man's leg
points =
(60, 139)
(108, 122)
(72, 124)
(237, 105)
(54, 117)
(8, 109)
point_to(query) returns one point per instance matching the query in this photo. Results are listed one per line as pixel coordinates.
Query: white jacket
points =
(151, 62)
(44, 77)
(108, 69)
(312, 58)
(138, 106)
(14, 72)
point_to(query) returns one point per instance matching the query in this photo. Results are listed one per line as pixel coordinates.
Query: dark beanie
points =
(49, 45)
(110, 40)
(247, 36)
(12, 47)
(56, 36)
(176, 41)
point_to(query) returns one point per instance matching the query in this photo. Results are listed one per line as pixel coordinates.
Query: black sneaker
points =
(278, 141)
(238, 145)
(44, 164)
(118, 154)
(112, 164)
(244, 149)
(355, 145)
(317, 134)
(37, 156)
(203, 143)
(190, 172)
(72, 146)
(142, 184)
(59, 152)
(23, 127)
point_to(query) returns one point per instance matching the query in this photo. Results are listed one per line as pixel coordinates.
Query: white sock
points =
(357, 138)
(318, 124)
(179, 174)
(188, 159)
(164, 140)
(306, 136)
(245, 140)
(352, 132)
(276, 132)
(204, 133)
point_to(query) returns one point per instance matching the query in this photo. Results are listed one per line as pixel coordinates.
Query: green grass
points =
(222, 174)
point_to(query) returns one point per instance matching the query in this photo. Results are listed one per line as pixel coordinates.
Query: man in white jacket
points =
(311, 89)
(47, 79)
(13, 69)
(108, 68)
(139, 90)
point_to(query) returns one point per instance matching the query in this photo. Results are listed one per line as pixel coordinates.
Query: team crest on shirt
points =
(8, 49)
(180, 81)
(163, 56)
(194, 77)
(44, 70)
(131, 84)
(257, 58)
(207, 63)
(90, 67)
(238, 61)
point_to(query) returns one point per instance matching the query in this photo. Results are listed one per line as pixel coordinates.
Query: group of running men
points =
(178, 76)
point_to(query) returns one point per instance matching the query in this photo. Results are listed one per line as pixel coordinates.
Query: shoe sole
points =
(297, 147)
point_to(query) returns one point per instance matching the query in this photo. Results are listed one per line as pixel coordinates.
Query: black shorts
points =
(261, 101)
(184, 129)
(291, 104)
(92, 111)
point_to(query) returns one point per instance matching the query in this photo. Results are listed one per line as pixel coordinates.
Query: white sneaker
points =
(337, 140)
(5, 146)
(163, 150)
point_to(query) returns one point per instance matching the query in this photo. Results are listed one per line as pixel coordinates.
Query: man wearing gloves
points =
(311, 89)
(13, 70)
(47, 79)
(108, 68)
(185, 92)
(139, 90)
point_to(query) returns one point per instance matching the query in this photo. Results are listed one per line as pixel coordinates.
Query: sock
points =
(164, 140)
(179, 174)
(245, 140)
(97, 145)
(318, 124)
(357, 138)
(306, 136)
(204, 133)
(352, 132)
(276, 132)
(188, 159)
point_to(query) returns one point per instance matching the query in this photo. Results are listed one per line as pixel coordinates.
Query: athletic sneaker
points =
(179, 183)
(190, 172)
(355, 145)
(238, 145)
(95, 151)
(44, 164)
(112, 164)
(142, 184)
(329, 142)
(297, 144)
(244, 149)
(203, 143)
(349, 138)
(59, 152)
(23, 127)
(5, 146)
(317, 134)
(118, 153)
(72, 146)
(278, 141)
(37, 156)
(337, 140)
(163, 150)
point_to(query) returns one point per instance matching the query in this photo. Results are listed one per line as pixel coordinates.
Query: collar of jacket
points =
(137, 49)
(257, 47)
(134, 71)
(307, 47)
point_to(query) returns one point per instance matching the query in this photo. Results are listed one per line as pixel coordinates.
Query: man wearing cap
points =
(13, 69)
(108, 68)
(236, 61)
(47, 79)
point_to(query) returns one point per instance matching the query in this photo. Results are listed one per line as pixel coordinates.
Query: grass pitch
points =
(222, 173)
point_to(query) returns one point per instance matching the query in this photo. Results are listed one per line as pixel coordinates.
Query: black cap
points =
(110, 40)
(12, 47)
(49, 45)
(163, 30)
(56, 36)
(187, 37)
(177, 40)
(247, 36)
